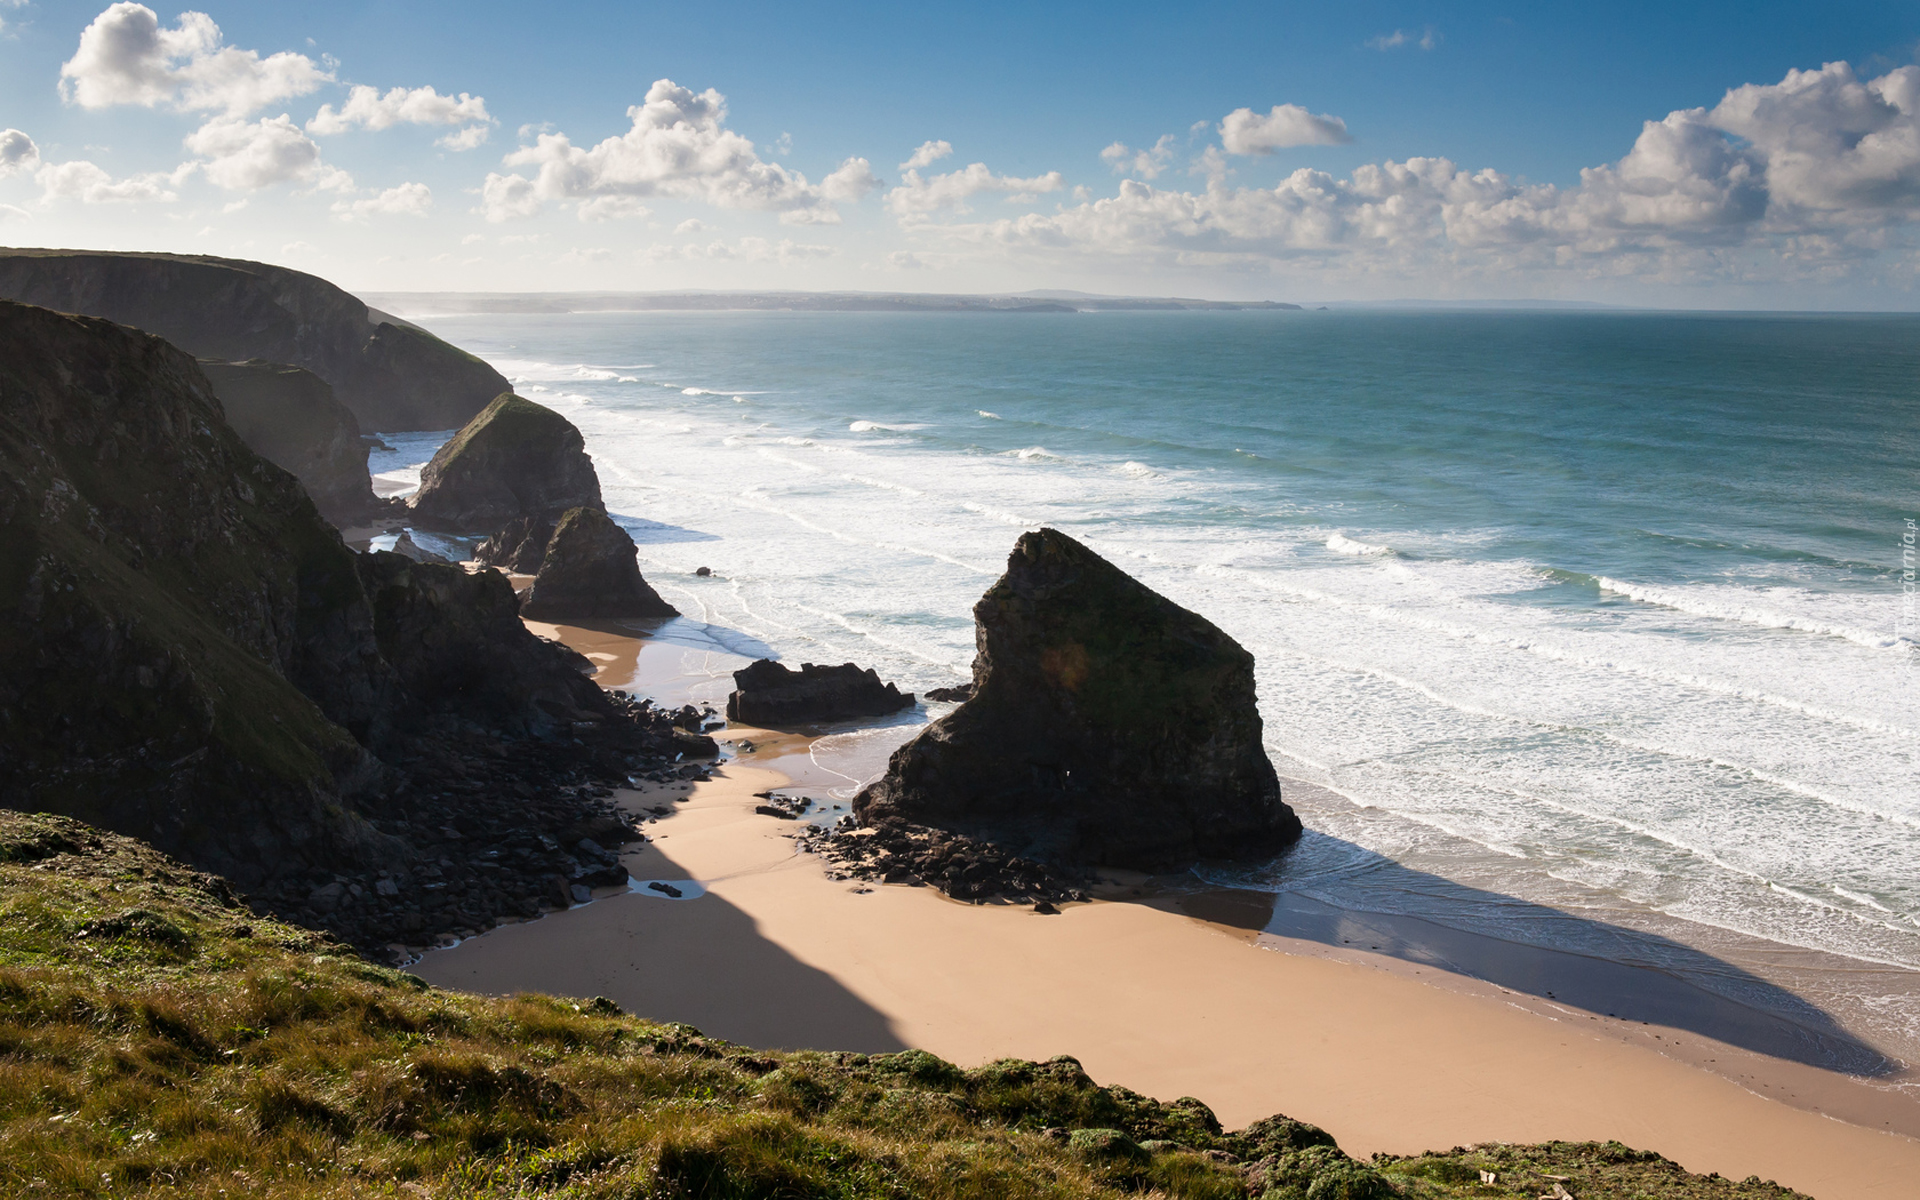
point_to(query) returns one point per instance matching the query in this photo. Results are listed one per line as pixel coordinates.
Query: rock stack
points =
(1106, 726)
(516, 460)
(589, 571)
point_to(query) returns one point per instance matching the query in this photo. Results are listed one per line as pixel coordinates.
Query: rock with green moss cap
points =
(289, 416)
(590, 571)
(516, 459)
(391, 374)
(1107, 725)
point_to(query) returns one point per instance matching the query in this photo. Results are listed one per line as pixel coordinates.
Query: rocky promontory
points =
(391, 374)
(589, 570)
(515, 460)
(774, 696)
(189, 654)
(1106, 726)
(290, 417)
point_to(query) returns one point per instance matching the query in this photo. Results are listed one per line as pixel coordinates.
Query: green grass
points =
(158, 1040)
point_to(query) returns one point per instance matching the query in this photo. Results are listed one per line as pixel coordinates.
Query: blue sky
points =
(1286, 151)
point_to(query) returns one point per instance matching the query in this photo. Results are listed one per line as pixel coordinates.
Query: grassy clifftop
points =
(158, 1039)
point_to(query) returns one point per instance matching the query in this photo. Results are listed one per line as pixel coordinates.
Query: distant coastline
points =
(1049, 301)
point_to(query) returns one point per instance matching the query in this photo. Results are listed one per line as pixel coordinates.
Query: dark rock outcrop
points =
(770, 695)
(163, 591)
(518, 546)
(190, 655)
(1107, 726)
(392, 375)
(516, 459)
(289, 416)
(590, 571)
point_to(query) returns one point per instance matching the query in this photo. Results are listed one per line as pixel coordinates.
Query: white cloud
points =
(1815, 174)
(917, 196)
(408, 200)
(596, 254)
(473, 239)
(126, 57)
(1147, 164)
(17, 152)
(1247, 132)
(611, 208)
(367, 108)
(679, 147)
(690, 226)
(747, 249)
(9, 213)
(245, 156)
(928, 154)
(89, 184)
(504, 197)
(1426, 40)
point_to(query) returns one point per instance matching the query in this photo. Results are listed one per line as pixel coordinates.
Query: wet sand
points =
(1169, 995)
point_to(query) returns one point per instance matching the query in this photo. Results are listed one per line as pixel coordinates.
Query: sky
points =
(1684, 155)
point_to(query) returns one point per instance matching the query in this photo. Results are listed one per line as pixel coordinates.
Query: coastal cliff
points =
(392, 375)
(289, 416)
(189, 654)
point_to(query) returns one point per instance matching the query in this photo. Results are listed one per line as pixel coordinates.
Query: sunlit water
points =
(1599, 611)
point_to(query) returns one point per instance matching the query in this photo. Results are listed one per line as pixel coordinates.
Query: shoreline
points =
(1403, 1055)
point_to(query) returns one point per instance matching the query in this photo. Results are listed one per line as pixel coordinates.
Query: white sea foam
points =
(1767, 609)
(1340, 543)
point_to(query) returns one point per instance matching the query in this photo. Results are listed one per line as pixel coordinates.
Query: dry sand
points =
(773, 953)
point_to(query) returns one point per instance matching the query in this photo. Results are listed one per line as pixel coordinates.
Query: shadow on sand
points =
(1571, 960)
(725, 977)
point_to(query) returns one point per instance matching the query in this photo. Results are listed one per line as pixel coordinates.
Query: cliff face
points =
(188, 652)
(290, 416)
(160, 587)
(1107, 725)
(391, 376)
(516, 459)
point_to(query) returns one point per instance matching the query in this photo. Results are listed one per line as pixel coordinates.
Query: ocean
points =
(1586, 630)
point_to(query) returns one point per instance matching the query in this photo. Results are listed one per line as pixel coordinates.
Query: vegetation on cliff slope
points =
(158, 1039)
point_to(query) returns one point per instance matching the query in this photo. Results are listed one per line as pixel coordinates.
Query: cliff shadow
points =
(698, 960)
(1574, 961)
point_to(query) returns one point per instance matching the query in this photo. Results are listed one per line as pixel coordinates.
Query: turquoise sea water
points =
(1602, 612)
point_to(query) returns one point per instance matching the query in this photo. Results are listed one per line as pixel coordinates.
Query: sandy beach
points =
(1170, 995)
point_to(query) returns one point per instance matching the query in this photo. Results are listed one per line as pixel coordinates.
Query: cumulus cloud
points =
(928, 154)
(126, 56)
(89, 184)
(1247, 132)
(17, 152)
(367, 108)
(1816, 171)
(678, 147)
(916, 196)
(245, 156)
(1147, 164)
(407, 200)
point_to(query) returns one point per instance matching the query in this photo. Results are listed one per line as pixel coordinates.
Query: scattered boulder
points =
(406, 547)
(289, 416)
(392, 375)
(516, 459)
(1107, 725)
(770, 695)
(590, 570)
(951, 695)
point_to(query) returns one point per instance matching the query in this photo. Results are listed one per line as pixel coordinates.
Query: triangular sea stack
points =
(590, 570)
(1107, 726)
(516, 459)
